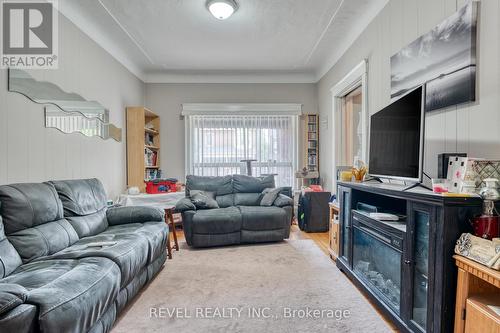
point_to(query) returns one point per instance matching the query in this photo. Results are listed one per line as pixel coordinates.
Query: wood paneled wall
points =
(29, 152)
(472, 128)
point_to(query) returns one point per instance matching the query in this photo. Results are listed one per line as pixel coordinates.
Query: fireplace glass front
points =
(378, 264)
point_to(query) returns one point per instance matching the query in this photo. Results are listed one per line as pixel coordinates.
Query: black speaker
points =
(443, 160)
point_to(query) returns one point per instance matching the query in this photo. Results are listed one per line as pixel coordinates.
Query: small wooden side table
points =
(334, 233)
(477, 286)
(169, 220)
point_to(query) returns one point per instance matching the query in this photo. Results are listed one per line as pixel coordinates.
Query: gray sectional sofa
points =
(240, 217)
(67, 262)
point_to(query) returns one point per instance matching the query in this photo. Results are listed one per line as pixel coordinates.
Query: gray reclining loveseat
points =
(239, 216)
(67, 262)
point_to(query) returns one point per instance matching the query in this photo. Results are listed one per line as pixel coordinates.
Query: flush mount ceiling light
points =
(222, 9)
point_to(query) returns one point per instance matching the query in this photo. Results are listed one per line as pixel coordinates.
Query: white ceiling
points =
(264, 41)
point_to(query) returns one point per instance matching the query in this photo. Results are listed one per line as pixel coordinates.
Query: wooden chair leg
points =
(169, 246)
(171, 218)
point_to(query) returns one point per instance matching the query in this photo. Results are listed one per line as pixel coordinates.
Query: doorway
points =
(350, 120)
(351, 128)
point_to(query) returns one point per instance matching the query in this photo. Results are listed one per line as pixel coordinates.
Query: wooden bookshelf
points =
(143, 138)
(311, 139)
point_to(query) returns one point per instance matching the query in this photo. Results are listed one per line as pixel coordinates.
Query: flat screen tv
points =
(397, 139)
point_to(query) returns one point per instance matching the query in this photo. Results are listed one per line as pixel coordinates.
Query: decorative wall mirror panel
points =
(68, 112)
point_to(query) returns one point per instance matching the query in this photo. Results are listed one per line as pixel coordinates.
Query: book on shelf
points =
(150, 157)
(152, 174)
(311, 136)
(312, 144)
(148, 139)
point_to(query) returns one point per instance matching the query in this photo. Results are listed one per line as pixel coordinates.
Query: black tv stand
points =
(414, 185)
(426, 237)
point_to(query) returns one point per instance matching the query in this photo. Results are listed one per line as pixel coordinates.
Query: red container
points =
(160, 186)
(486, 226)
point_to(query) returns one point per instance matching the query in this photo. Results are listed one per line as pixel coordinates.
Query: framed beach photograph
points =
(444, 59)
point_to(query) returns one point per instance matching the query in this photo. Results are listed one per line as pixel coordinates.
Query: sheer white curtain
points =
(217, 144)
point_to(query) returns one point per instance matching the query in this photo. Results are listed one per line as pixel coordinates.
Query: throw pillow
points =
(269, 195)
(203, 200)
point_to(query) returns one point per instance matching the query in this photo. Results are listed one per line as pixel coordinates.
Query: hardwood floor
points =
(321, 239)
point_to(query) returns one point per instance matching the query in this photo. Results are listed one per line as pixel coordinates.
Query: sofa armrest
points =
(134, 214)
(184, 205)
(11, 295)
(282, 201)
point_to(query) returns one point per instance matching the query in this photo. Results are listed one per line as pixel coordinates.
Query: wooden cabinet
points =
(334, 231)
(143, 146)
(405, 267)
(478, 286)
(480, 318)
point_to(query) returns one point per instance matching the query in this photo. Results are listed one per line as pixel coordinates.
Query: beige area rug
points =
(283, 287)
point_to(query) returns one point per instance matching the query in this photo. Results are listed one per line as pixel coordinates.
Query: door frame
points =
(358, 76)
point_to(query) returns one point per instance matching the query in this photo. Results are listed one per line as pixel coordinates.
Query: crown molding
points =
(91, 29)
(341, 49)
(228, 77)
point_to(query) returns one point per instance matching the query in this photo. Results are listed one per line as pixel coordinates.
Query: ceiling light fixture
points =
(222, 9)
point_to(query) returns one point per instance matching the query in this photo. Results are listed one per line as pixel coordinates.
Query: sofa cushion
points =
(81, 197)
(283, 201)
(89, 225)
(27, 205)
(155, 233)
(269, 195)
(203, 199)
(263, 218)
(128, 251)
(21, 319)
(248, 184)
(9, 258)
(226, 200)
(247, 199)
(11, 295)
(84, 202)
(183, 205)
(217, 221)
(134, 214)
(43, 240)
(33, 219)
(71, 295)
(218, 185)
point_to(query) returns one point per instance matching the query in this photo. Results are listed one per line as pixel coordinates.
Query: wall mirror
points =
(68, 112)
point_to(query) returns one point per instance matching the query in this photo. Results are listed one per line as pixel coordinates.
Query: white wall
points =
(474, 129)
(29, 152)
(166, 99)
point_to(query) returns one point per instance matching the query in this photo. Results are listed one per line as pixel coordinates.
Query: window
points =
(216, 145)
